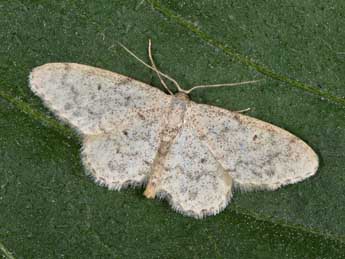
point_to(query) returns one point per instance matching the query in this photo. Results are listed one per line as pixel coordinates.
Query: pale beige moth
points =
(193, 155)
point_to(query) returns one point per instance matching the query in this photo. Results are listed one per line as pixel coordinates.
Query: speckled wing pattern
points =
(257, 155)
(193, 181)
(193, 155)
(118, 117)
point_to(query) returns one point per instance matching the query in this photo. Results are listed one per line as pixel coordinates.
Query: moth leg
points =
(243, 111)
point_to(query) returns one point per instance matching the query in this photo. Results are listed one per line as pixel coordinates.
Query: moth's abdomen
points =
(173, 123)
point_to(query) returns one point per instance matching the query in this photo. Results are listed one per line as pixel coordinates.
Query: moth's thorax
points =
(182, 96)
(173, 122)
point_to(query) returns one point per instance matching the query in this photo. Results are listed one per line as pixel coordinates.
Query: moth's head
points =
(182, 96)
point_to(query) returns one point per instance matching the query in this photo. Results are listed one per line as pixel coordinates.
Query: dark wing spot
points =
(141, 116)
(293, 140)
(270, 172)
(125, 81)
(125, 132)
(255, 137)
(99, 87)
(203, 160)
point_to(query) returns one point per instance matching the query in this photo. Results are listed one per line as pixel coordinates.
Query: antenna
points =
(179, 88)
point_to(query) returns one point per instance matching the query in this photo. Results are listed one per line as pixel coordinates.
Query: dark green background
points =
(50, 209)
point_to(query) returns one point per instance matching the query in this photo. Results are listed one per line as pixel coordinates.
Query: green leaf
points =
(49, 208)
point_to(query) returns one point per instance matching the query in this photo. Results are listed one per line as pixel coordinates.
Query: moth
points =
(193, 155)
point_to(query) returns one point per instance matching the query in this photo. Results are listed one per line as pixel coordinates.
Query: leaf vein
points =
(325, 95)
